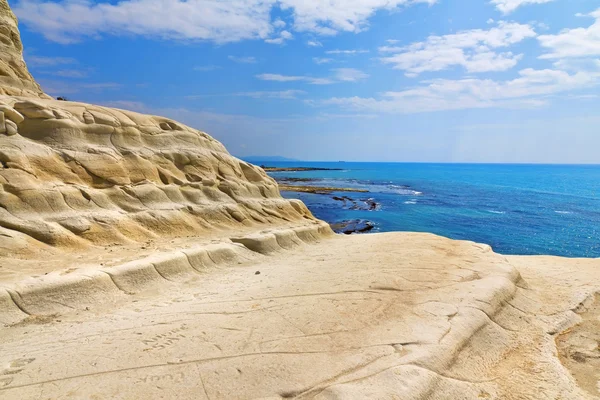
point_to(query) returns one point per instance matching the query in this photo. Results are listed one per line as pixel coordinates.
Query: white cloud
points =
(349, 74)
(338, 75)
(530, 89)
(314, 43)
(41, 61)
(291, 78)
(333, 16)
(284, 94)
(578, 64)
(71, 73)
(508, 6)
(472, 49)
(573, 43)
(243, 60)
(283, 36)
(70, 21)
(279, 23)
(279, 78)
(348, 52)
(322, 60)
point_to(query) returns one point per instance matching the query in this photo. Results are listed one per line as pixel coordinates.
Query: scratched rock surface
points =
(399, 315)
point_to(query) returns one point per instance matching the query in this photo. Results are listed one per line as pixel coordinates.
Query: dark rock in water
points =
(371, 204)
(352, 226)
(362, 204)
(288, 179)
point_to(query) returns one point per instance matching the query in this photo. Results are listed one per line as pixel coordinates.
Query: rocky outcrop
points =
(280, 316)
(15, 79)
(74, 174)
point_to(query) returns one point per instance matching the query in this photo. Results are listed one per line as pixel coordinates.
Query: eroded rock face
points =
(15, 79)
(74, 174)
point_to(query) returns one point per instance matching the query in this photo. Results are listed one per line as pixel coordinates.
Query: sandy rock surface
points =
(400, 315)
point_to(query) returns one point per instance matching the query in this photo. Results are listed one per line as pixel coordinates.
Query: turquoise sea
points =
(517, 209)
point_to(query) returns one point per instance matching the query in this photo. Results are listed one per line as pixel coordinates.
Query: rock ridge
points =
(15, 78)
(75, 175)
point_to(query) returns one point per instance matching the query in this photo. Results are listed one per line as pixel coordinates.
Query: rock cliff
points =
(74, 174)
(15, 79)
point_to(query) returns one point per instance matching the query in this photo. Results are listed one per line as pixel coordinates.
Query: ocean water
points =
(517, 209)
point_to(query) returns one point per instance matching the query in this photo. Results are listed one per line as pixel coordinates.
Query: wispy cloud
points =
(279, 23)
(347, 52)
(283, 36)
(243, 60)
(349, 74)
(314, 43)
(471, 49)
(284, 94)
(338, 75)
(41, 61)
(322, 60)
(530, 89)
(71, 73)
(508, 6)
(281, 94)
(291, 78)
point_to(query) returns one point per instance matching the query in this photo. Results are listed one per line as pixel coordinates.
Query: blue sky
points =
(356, 80)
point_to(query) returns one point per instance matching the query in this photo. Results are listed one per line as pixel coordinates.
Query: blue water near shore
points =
(517, 209)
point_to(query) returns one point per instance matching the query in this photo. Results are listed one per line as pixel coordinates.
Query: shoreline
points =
(319, 189)
(297, 169)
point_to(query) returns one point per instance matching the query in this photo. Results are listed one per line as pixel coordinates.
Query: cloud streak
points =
(528, 90)
(70, 21)
(339, 75)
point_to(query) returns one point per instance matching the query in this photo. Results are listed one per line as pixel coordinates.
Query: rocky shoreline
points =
(318, 189)
(347, 226)
(297, 169)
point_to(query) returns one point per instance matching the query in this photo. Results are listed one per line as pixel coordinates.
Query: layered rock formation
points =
(75, 175)
(15, 79)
